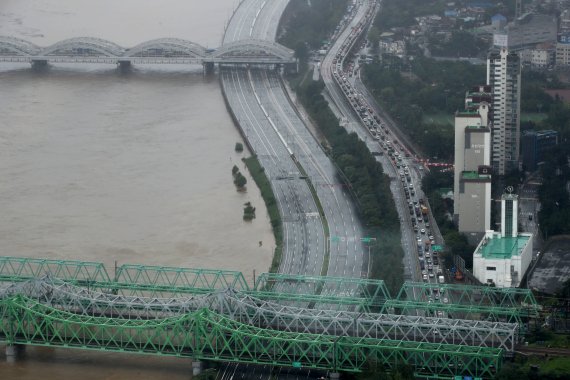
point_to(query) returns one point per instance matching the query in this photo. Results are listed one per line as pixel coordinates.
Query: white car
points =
(423, 231)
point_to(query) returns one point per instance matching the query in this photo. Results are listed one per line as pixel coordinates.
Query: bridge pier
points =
(208, 67)
(124, 64)
(39, 63)
(197, 367)
(13, 351)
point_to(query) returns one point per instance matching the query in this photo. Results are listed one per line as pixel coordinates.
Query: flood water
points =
(102, 165)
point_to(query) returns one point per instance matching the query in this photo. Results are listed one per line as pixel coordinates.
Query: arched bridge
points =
(159, 51)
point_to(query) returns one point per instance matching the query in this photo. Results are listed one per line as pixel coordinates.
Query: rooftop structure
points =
(502, 258)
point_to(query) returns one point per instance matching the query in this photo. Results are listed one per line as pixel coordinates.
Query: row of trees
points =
(360, 171)
(307, 24)
(428, 87)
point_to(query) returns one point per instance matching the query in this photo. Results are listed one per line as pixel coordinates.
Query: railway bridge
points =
(282, 320)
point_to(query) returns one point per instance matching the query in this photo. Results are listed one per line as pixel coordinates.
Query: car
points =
(425, 277)
(424, 272)
(428, 260)
(427, 254)
(445, 300)
(431, 237)
(423, 231)
(431, 275)
(436, 297)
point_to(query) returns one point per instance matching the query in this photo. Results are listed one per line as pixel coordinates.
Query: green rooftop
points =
(467, 113)
(503, 247)
(474, 175)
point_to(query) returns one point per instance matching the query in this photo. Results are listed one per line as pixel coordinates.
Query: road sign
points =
(296, 364)
(437, 248)
(367, 239)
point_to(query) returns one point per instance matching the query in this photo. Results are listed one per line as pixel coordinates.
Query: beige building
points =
(563, 54)
(472, 177)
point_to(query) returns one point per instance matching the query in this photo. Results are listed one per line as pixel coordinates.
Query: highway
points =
(279, 137)
(357, 109)
(262, 107)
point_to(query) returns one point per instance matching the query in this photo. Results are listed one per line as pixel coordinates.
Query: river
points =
(102, 165)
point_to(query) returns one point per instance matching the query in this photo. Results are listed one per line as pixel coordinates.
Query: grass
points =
(439, 118)
(258, 174)
(552, 366)
(534, 117)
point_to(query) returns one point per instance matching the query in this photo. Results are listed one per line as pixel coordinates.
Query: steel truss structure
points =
(329, 292)
(249, 310)
(465, 302)
(208, 335)
(275, 305)
(164, 50)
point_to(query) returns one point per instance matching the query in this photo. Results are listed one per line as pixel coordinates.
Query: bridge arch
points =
(90, 45)
(252, 47)
(12, 45)
(171, 47)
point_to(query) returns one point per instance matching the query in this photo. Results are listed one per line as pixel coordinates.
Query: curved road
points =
(265, 108)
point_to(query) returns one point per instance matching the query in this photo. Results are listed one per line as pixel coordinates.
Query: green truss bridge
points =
(334, 324)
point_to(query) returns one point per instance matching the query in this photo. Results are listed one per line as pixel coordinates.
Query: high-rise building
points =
(504, 77)
(472, 177)
(534, 144)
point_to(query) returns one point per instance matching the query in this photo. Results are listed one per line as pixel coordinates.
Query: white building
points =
(504, 77)
(502, 258)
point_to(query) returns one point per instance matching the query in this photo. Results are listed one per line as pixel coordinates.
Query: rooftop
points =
(474, 175)
(503, 247)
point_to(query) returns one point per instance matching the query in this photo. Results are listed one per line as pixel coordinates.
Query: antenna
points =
(518, 9)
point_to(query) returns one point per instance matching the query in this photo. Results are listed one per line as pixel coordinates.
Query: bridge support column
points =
(38, 63)
(124, 64)
(197, 367)
(13, 351)
(208, 67)
(334, 376)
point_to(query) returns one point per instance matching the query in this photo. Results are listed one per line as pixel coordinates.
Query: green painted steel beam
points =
(184, 278)
(365, 294)
(469, 301)
(15, 269)
(208, 335)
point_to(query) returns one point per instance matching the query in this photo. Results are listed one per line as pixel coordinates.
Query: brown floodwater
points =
(135, 167)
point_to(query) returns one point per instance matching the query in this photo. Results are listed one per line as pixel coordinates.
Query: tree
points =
(239, 147)
(374, 38)
(240, 180)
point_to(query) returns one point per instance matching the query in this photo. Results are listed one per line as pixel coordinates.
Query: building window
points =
(491, 268)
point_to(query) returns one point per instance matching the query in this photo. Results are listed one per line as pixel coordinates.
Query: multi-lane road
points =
(289, 152)
(359, 112)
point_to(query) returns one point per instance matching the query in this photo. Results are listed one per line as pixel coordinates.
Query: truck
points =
(440, 279)
(424, 209)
